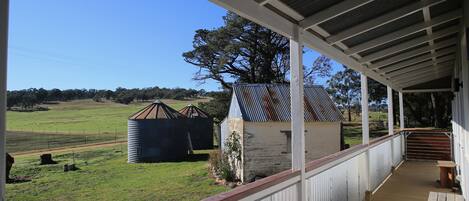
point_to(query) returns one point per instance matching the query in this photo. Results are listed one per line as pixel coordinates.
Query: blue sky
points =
(107, 43)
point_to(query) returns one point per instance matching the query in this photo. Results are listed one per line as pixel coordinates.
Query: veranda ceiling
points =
(400, 43)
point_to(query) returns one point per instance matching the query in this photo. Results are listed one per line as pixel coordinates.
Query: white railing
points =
(347, 175)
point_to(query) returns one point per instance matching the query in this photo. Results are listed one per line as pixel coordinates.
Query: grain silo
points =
(157, 133)
(199, 126)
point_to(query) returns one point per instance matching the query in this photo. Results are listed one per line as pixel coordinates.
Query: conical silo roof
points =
(157, 110)
(191, 111)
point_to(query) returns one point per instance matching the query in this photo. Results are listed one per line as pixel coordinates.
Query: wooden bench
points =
(438, 196)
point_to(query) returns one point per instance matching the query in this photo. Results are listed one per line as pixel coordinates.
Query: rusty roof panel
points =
(271, 102)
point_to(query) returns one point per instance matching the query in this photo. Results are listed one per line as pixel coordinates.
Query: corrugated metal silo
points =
(157, 133)
(199, 126)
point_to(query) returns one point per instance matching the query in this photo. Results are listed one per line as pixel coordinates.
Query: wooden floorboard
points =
(413, 181)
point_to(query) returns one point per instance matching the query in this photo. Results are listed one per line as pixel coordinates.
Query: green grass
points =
(108, 177)
(81, 116)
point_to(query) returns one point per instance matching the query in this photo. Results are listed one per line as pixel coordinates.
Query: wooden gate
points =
(428, 145)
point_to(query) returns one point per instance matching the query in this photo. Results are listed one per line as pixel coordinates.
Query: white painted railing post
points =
(365, 130)
(297, 110)
(4, 7)
(401, 111)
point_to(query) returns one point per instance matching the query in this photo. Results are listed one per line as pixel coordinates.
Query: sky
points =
(107, 44)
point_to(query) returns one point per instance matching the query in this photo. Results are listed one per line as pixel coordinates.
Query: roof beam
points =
(331, 12)
(412, 53)
(409, 44)
(258, 14)
(420, 65)
(422, 71)
(428, 64)
(286, 9)
(424, 76)
(423, 80)
(426, 90)
(404, 32)
(381, 20)
(419, 59)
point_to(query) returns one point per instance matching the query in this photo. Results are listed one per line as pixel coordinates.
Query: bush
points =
(220, 166)
(223, 164)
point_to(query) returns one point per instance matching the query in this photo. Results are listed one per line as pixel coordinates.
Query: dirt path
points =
(67, 149)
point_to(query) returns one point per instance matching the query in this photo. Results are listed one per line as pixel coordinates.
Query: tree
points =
(344, 87)
(239, 50)
(218, 106)
(322, 67)
(243, 51)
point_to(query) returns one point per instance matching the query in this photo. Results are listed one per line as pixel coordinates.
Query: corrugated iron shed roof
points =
(191, 111)
(157, 110)
(271, 102)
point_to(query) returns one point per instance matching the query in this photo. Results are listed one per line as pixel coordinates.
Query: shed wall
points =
(265, 149)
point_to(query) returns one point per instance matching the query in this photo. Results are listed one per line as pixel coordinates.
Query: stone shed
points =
(260, 115)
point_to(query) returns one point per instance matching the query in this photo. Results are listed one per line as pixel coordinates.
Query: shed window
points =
(288, 139)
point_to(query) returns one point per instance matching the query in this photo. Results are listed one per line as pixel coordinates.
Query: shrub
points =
(223, 164)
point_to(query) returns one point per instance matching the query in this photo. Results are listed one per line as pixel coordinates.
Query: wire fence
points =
(26, 141)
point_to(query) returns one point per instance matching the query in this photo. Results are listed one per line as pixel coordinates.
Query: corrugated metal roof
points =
(191, 111)
(157, 110)
(271, 102)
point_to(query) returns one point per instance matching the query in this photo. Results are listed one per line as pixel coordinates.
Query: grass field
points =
(82, 116)
(108, 177)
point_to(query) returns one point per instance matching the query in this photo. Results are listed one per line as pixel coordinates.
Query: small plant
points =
(223, 164)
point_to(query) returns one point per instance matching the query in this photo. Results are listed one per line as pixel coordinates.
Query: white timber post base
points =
(365, 130)
(297, 110)
(401, 111)
(4, 7)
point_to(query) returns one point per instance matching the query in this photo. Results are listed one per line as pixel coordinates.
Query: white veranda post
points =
(297, 110)
(364, 103)
(401, 111)
(4, 6)
(390, 112)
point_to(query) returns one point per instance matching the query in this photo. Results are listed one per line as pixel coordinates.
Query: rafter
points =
(331, 12)
(412, 53)
(423, 64)
(419, 59)
(409, 44)
(422, 71)
(423, 80)
(404, 32)
(424, 76)
(381, 20)
(419, 66)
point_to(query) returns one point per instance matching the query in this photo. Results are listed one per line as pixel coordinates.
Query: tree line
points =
(28, 98)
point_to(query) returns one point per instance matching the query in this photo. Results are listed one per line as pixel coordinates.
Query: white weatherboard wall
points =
(265, 146)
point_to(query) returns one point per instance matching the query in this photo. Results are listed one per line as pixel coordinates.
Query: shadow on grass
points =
(18, 180)
(197, 157)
